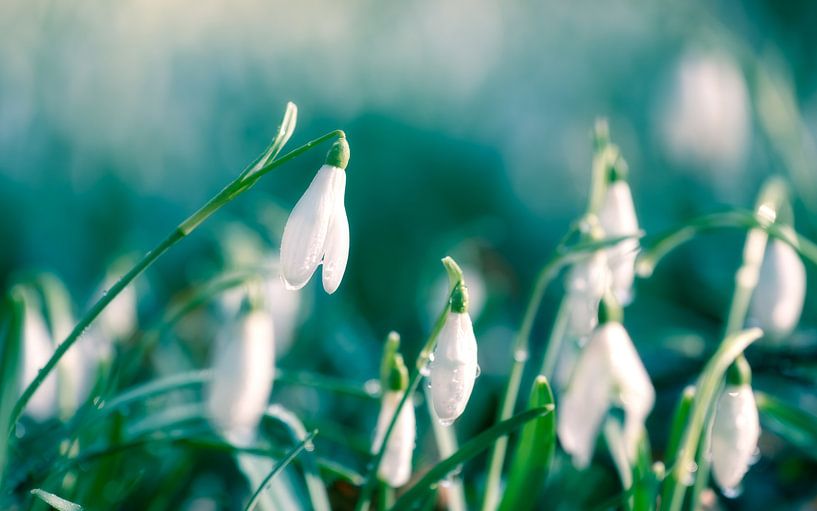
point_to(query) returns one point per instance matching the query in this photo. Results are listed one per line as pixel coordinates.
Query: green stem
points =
(231, 191)
(446, 441)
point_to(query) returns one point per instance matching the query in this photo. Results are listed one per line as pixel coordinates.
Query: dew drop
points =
(372, 387)
(520, 355)
(309, 446)
(431, 357)
(733, 394)
(732, 493)
(425, 370)
(755, 456)
(428, 385)
(478, 372)
(445, 422)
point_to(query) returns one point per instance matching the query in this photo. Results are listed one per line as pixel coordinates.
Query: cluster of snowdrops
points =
(600, 384)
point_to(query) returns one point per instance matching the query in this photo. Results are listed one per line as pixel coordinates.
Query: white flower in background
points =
(317, 231)
(37, 349)
(586, 283)
(617, 218)
(707, 118)
(781, 289)
(243, 372)
(609, 372)
(395, 468)
(454, 367)
(735, 432)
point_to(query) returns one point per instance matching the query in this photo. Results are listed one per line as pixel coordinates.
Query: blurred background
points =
(469, 124)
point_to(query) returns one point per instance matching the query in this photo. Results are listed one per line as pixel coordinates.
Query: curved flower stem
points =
(231, 191)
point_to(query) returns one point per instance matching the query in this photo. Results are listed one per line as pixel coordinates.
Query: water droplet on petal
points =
(425, 370)
(520, 355)
(732, 493)
(309, 446)
(446, 422)
(478, 372)
(372, 387)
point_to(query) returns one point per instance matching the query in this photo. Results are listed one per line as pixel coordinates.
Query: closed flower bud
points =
(454, 367)
(243, 372)
(781, 289)
(735, 433)
(609, 372)
(617, 218)
(317, 231)
(395, 467)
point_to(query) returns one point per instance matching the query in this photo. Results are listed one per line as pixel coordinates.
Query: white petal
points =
(586, 401)
(636, 394)
(304, 239)
(586, 284)
(454, 368)
(243, 373)
(735, 433)
(395, 468)
(37, 349)
(781, 289)
(337, 249)
(618, 218)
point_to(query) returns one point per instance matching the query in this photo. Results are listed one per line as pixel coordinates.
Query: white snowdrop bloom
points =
(617, 218)
(243, 372)
(735, 432)
(708, 116)
(609, 372)
(395, 467)
(118, 320)
(37, 349)
(454, 367)
(781, 289)
(586, 283)
(317, 231)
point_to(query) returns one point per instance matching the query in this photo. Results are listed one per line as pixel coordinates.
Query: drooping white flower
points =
(781, 289)
(586, 283)
(395, 467)
(617, 218)
(317, 231)
(735, 432)
(37, 349)
(609, 372)
(243, 372)
(454, 367)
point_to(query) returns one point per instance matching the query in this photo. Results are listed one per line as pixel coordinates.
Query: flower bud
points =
(317, 231)
(586, 284)
(735, 432)
(454, 367)
(395, 467)
(243, 372)
(617, 218)
(781, 289)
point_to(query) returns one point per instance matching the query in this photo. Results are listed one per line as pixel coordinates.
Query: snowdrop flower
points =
(781, 289)
(243, 373)
(586, 283)
(37, 349)
(395, 467)
(317, 231)
(454, 367)
(617, 218)
(609, 372)
(735, 430)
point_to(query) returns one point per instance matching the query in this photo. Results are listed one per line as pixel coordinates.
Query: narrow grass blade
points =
(793, 424)
(278, 468)
(11, 341)
(426, 485)
(534, 453)
(58, 503)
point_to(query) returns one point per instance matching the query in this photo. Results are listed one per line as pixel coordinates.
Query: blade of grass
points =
(534, 453)
(278, 468)
(797, 426)
(11, 346)
(426, 485)
(58, 503)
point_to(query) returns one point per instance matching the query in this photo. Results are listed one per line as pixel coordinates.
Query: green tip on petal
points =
(609, 310)
(618, 170)
(338, 155)
(739, 373)
(393, 371)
